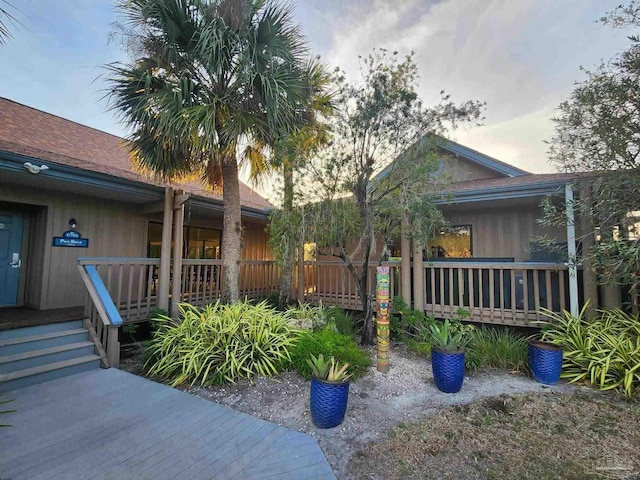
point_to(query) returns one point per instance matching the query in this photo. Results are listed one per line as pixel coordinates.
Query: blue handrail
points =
(105, 298)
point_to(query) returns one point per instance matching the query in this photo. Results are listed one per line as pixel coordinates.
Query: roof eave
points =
(502, 193)
(482, 159)
(15, 163)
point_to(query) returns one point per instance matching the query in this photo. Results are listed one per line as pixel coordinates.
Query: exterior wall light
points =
(73, 224)
(34, 168)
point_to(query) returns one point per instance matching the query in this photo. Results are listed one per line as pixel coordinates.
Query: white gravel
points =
(377, 402)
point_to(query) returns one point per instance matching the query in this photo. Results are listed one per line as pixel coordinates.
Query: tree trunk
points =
(286, 272)
(231, 230)
(367, 297)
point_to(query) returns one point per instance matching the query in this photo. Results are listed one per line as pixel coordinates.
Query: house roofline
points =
(482, 159)
(502, 193)
(15, 163)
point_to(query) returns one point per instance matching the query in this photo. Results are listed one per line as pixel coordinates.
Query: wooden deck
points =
(19, 317)
(109, 424)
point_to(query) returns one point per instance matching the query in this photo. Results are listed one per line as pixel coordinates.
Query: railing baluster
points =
(141, 270)
(472, 292)
(536, 292)
(547, 275)
(512, 276)
(561, 293)
(525, 294)
(119, 294)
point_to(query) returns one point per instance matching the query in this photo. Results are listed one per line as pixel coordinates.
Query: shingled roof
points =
(506, 182)
(34, 133)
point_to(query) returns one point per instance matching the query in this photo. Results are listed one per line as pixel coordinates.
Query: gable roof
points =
(481, 159)
(501, 168)
(33, 133)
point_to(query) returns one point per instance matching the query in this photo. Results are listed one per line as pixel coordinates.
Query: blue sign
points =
(71, 238)
(71, 234)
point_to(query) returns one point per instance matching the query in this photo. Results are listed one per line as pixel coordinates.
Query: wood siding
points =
(458, 169)
(501, 231)
(114, 229)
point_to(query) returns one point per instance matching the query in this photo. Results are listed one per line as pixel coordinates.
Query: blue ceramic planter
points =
(545, 362)
(448, 370)
(328, 402)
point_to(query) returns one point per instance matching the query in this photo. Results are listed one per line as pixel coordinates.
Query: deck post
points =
(405, 266)
(301, 273)
(176, 285)
(113, 346)
(418, 277)
(571, 250)
(587, 232)
(165, 253)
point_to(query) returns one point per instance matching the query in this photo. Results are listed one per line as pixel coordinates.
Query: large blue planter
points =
(448, 370)
(328, 402)
(545, 362)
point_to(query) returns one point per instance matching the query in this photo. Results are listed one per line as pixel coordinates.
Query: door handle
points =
(16, 261)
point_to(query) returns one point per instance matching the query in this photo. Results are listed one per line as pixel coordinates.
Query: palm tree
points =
(288, 154)
(214, 82)
(6, 18)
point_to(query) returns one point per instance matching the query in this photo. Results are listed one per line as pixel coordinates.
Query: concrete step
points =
(14, 346)
(44, 373)
(40, 329)
(35, 358)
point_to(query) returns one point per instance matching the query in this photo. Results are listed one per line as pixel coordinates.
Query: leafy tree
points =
(213, 82)
(288, 155)
(597, 130)
(378, 168)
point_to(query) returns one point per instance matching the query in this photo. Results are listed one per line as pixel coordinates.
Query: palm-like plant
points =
(214, 81)
(7, 17)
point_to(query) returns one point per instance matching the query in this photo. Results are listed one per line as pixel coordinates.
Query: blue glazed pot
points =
(448, 370)
(545, 362)
(328, 402)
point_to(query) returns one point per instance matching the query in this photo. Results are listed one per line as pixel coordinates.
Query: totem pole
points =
(382, 298)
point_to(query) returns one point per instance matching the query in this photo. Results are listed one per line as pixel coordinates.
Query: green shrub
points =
(604, 352)
(329, 343)
(220, 343)
(497, 348)
(409, 323)
(317, 315)
(272, 299)
(342, 320)
(421, 348)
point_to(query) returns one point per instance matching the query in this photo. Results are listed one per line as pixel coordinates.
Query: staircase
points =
(38, 354)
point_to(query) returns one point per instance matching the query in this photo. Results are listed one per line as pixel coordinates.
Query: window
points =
(198, 242)
(454, 242)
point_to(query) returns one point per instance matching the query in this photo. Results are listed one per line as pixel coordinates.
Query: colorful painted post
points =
(382, 298)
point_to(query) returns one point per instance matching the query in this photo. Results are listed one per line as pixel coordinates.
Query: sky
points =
(521, 57)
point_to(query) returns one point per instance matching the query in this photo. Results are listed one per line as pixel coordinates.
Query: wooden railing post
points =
(405, 253)
(301, 278)
(165, 252)
(418, 277)
(113, 346)
(176, 281)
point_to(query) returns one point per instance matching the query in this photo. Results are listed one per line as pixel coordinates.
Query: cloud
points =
(521, 57)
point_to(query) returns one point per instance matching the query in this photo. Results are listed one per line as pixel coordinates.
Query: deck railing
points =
(331, 283)
(495, 292)
(132, 283)
(492, 292)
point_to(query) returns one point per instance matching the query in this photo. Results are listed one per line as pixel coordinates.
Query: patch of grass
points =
(329, 343)
(497, 348)
(560, 436)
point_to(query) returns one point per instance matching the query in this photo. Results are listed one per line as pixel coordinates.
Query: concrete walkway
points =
(112, 425)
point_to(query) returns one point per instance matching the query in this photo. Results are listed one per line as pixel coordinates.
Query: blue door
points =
(10, 256)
